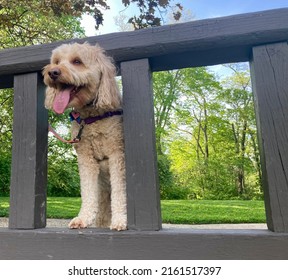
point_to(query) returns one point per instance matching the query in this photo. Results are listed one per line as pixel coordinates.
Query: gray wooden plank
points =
(140, 152)
(217, 40)
(29, 154)
(270, 86)
(170, 244)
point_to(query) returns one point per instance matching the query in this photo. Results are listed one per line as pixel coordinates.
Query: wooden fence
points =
(260, 38)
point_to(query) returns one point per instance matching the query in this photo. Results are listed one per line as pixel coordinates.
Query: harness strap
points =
(75, 140)
(74, 116)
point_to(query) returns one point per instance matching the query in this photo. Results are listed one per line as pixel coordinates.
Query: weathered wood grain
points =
(270, 86)
(172, 244)
(140, 152)
(196, 43)
(29, 154)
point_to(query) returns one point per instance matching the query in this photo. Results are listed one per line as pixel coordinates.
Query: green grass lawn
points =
(212, 211)
(173, 211)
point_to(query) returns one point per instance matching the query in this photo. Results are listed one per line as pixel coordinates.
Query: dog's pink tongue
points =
(61, 100)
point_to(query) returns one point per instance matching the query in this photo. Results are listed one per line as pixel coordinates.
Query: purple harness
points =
(75, 116)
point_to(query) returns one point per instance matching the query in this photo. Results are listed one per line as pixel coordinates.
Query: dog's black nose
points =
(54, 73)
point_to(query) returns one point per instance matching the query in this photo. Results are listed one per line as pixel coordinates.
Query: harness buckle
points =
(78, 137)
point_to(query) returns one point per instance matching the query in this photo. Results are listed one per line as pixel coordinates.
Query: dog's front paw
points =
(77, 223)
(119, 225)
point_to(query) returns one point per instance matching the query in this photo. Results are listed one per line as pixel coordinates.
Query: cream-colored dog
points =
(82, 77)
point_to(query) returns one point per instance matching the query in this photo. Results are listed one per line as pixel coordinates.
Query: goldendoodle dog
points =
(82, 77)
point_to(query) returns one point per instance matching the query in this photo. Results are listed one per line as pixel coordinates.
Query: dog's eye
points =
(56, 62)
(77, 61)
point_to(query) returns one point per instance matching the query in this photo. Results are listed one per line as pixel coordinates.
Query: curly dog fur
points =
(82, 77)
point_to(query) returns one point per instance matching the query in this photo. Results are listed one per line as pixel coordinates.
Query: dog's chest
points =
(99, 146)
(94, 142)
(102, 139)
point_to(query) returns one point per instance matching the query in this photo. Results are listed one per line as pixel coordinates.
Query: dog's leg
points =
(89, 171)
(103, 218)
(118, 192)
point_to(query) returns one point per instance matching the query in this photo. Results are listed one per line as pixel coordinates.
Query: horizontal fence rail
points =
(260, 38)
(196, 43)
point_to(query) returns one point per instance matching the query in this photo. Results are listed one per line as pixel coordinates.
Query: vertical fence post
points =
(143, 196)
(269, 67)
(29, 154)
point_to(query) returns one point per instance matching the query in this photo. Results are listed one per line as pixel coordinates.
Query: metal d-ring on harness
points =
(75, 116)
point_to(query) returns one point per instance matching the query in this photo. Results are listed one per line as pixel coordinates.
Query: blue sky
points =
(216, 8)
(199, 8)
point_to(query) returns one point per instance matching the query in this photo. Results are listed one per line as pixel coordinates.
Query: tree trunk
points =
(240, 146)
(257, 158)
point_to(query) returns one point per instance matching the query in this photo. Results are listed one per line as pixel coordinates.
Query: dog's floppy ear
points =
(108, 96)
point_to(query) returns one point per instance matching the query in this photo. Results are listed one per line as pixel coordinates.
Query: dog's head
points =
(80, 74)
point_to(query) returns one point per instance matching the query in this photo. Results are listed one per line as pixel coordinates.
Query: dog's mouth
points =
(64, 96)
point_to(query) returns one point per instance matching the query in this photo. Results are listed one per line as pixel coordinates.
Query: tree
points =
(196, 114)
(148, 9)
(239, 99)
(6, 105)
(210, 137)
(32, 22)
(15, 15)
(166, 87)
(121, 21)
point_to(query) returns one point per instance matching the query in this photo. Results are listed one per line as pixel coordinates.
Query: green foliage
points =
(32, 22)
(5, 166)
(23, 19)
(63, 178)
(168, 189)
(206, 129)
(6, 119)
(6, 105)
(166, 92)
